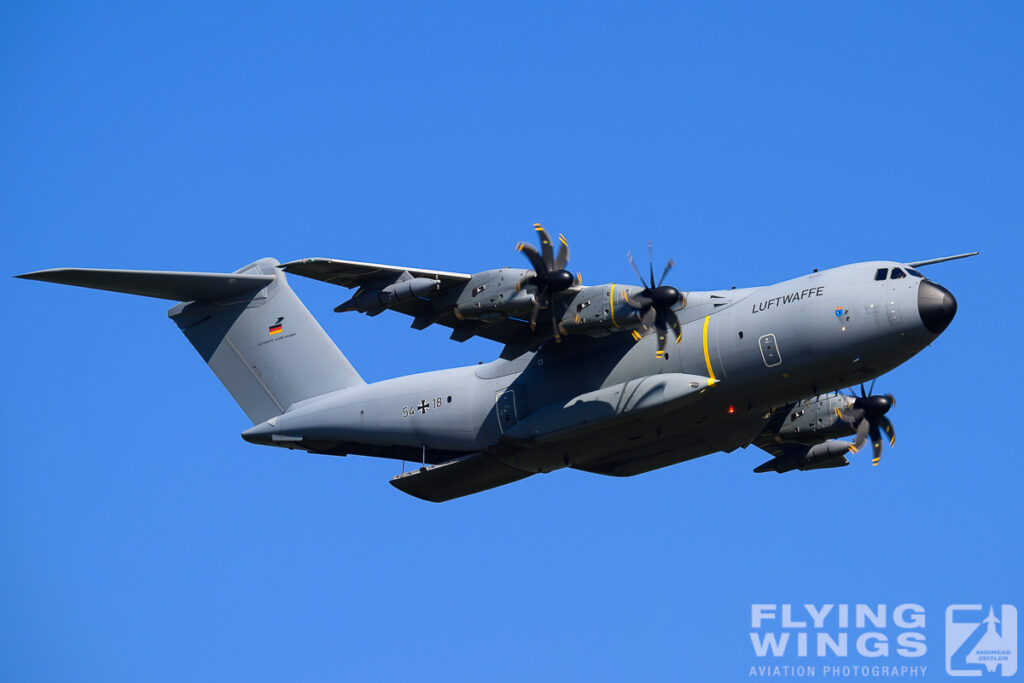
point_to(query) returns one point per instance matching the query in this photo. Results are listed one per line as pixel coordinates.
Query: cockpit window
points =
(897, 274)
(881, 273)
(914, 272)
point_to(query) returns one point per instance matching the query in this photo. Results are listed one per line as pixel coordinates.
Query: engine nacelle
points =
(492, 294)
(815, 416)
(831, 453)
(599, 310)
(406, 288)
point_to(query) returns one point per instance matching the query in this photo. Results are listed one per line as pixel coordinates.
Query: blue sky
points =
(142, 539)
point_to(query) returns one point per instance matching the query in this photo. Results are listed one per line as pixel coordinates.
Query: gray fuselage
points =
(764, 347)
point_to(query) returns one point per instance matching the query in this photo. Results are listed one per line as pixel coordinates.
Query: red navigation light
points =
(732, 410)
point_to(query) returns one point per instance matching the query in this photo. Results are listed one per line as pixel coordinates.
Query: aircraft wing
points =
(514, 333)
(357, 274)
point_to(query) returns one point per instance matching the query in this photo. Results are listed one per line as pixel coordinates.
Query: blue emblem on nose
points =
(839, 312)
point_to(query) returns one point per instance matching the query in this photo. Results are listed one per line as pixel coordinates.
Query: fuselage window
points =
(881, 273)
(914, 272)
(897, 274)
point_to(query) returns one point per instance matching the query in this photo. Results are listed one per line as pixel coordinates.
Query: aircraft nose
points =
(936, 305)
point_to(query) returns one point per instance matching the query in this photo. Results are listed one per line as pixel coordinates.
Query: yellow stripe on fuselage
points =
(611, 299)
(707, 356)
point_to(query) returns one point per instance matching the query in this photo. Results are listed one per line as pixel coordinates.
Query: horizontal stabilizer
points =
(457, 478)
(176, 286)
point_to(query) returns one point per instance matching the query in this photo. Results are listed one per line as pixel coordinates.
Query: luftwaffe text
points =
(787, 298)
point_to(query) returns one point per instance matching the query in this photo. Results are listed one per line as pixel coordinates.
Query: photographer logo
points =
(981, 639)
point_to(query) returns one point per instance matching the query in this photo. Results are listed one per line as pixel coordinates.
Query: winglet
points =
(929, 262)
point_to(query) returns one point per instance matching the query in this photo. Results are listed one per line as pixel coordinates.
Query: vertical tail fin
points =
(265, 346)
(255, 334)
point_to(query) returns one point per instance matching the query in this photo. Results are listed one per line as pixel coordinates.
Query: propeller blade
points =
(662, 328)
(876, 444)
(554, 326)
(636, 270)
(545, 246)
(673, 322)
(535, 260)
(525, 280)
(563, 253)
(862, 435)
(668, 267)
(638, 302)
(890, 431)
(871, 389)
(866, 413)
(534, 312)
(649, 318)
(662, 341)
(650, 262)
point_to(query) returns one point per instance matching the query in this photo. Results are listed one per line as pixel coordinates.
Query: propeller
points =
(656, 301)
(549, 276)
(866, 414)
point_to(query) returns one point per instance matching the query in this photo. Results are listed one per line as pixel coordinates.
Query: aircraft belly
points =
(551, 437)
(636, 453)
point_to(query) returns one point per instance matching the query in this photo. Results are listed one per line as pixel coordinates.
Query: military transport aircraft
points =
(612, 379)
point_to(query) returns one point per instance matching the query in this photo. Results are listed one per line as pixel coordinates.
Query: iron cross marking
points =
(422, 407)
